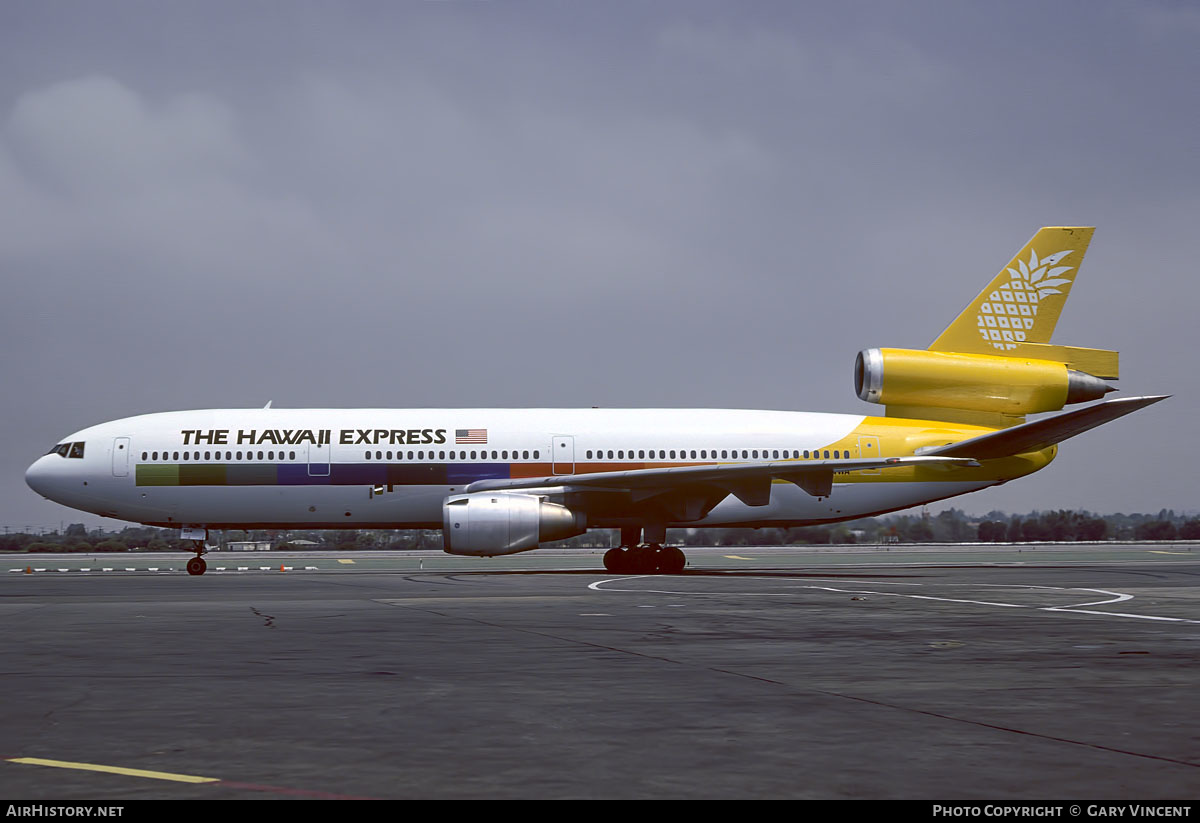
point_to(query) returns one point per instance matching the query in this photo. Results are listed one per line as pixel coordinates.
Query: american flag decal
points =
(462, 436)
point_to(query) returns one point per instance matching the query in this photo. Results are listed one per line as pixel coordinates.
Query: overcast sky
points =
(679, 204)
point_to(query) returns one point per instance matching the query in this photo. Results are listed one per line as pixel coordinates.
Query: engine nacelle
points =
(485, 524)
(977, 382)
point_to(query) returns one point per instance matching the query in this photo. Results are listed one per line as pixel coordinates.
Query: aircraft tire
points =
(616, 560)
(671, 560)
(196, 565)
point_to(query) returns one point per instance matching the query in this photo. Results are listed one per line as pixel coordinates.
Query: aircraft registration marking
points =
(97, 767)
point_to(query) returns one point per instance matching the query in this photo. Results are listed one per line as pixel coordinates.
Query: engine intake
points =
(486, 524)
(977, 382)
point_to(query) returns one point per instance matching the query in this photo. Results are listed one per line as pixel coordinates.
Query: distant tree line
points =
(950, 526)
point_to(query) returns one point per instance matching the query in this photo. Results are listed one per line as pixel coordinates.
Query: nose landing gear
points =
(196, 565)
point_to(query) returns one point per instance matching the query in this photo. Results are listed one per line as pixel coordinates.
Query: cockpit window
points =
(67, 450)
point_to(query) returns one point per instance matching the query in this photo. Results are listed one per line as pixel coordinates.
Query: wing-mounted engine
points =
(975, 382)
(486, 524)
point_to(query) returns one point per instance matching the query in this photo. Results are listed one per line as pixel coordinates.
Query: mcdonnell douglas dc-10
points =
(500, 481)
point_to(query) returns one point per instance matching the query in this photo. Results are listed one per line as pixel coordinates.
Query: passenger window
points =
(827, 454)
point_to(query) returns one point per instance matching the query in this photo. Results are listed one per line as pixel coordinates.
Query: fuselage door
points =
(120, 457)
(868, 449)
(318, 460)
(562, 457)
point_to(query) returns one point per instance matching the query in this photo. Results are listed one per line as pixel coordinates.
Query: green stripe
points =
(204, 474)
(157, 474)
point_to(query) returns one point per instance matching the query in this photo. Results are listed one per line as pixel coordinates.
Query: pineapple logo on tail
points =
(1011, 309)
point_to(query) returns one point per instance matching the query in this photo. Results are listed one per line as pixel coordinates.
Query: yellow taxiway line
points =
(96, 767)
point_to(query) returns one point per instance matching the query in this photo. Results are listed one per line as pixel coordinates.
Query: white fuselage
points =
(394, 468)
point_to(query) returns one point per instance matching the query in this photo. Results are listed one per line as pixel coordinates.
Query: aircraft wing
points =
(749, 482)
(1041, 434)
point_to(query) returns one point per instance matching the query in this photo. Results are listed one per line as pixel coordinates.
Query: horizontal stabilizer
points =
(1041, 434)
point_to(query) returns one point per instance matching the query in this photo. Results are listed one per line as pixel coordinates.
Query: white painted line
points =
(1075, 608)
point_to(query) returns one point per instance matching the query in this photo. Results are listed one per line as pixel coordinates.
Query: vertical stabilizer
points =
(1021, 305)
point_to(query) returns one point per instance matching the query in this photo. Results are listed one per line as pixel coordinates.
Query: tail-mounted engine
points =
(977, 382)
(486, 524)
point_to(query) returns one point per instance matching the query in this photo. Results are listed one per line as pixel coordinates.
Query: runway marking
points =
(96, 767)
(738, 557)
(182, 778)
(1073, 608)
(346, 561)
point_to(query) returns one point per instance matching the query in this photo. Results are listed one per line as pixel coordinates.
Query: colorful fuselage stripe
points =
(355, 474)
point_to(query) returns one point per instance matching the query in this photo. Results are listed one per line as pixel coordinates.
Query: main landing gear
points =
(197, 565)
(650, 558)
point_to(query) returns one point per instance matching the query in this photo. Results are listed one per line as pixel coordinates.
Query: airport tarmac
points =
(949, 673)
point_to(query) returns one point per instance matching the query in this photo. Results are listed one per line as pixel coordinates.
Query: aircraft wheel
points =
(671, 560)
(615, 560)
(196, 565)
(649, 558)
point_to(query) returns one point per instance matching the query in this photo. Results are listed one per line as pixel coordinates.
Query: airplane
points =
(501, 481)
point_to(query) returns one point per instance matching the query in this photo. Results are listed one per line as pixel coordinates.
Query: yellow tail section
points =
(994, 364)
(1017, 312)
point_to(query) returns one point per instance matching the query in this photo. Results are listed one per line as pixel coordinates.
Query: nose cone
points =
(38, 476)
